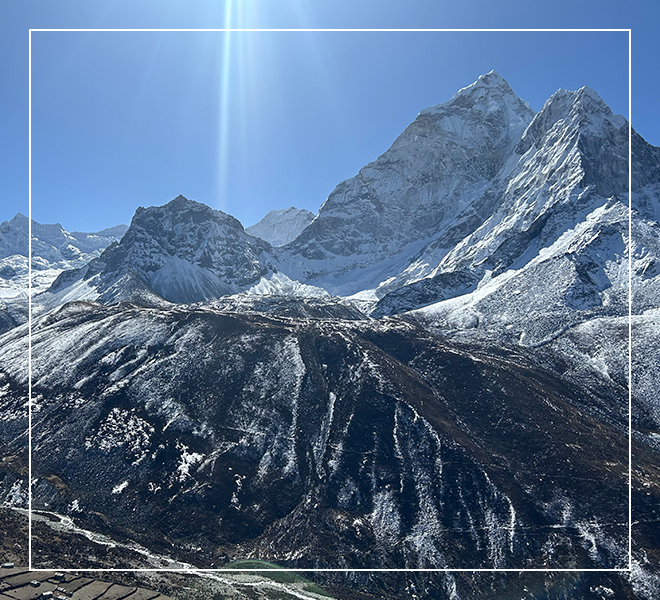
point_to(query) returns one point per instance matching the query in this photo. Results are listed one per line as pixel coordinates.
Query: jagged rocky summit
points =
(181, 252)
(428, 185)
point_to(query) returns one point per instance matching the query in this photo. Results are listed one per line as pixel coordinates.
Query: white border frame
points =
(443, 570)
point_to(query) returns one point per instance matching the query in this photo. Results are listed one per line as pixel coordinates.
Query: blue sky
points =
(247, 122)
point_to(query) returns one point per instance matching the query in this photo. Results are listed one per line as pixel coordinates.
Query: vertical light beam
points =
(223, 137)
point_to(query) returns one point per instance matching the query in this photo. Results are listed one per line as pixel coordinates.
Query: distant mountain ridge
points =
(53, 242)
(53, 250)
(279, 227)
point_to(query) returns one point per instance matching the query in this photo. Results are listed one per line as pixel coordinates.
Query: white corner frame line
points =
(288, 30)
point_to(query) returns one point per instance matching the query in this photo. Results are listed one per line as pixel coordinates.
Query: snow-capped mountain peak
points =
(582, 109)
(427, 184)
(279, 227)
(490, 84)
(489, 94)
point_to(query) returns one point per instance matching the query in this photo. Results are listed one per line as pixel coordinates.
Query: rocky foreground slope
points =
(316, 442)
